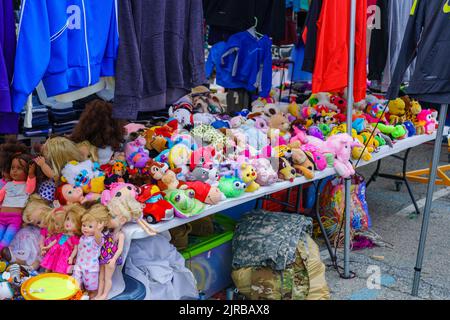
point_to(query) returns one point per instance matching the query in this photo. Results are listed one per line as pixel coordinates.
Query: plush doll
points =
(315, 132)
(135, 153)
(357, 151)
(396, 132)
(206, 193)
(265, 174)
(184, 202)
(319, 159)
(427, 121)
(156, 207)
(324, 103)
(248, 175)
(232, 186)
(183, 113)
(409, 126)
(179, 158)
(155, 143)
(397, 110)
(86, 175)
(339, 102)
(285, 170)
(164, 177)
(412, 109)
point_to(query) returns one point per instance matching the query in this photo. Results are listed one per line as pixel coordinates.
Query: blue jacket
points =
(68, 44)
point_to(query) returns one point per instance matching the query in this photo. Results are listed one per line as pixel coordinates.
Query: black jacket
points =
(379, 43)
(427, 36)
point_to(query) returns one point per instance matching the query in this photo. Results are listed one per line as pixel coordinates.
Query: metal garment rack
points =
(433, 171)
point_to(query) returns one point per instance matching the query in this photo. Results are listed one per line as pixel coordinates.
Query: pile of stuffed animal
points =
(200, 156)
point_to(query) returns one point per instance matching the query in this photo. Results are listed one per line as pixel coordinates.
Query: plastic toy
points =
(156, 207)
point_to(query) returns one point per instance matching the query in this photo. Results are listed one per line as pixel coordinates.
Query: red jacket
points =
(333, 33)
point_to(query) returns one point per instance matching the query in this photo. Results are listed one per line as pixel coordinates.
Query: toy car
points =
(156, 208)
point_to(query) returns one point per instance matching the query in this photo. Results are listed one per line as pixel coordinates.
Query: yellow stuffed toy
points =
(366, 156)
(397, 109)
(248, 175)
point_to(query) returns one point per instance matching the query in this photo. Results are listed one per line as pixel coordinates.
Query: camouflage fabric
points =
(268, 284)
(264, 238)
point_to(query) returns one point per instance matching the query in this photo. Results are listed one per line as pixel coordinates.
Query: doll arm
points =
(46, 170)
(45, 248)
(31, 184)
(2, 194)
(73, 254)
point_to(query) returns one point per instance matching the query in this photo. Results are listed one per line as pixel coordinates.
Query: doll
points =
(14, 196)
(87, 267)
(56, 153)
(97, 126)
(62, 250)
(7, 150)
(25, 248)
(88, 151)
(123, 207)
(68, 194)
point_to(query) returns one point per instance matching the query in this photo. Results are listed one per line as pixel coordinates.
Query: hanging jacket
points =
(379, 43)
(161, 55)
(309, 35)
(331, 57)
(427, 37)
(8, 120)
(68, 44)
(399, 12)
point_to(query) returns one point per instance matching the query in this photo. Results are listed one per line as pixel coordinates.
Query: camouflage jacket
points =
(264, 238)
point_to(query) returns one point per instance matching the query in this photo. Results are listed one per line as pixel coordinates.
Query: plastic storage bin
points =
(209, 258)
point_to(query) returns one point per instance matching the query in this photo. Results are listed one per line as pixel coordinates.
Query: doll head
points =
(20, 163)
(88, 151)
(59, 151)
(72, 221)
(54, 220)
(123, 208)
(7, 150)
(97, 214)
(107, 132)
(68, 194)
(36, 211)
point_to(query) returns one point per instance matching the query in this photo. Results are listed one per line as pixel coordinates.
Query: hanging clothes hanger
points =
(253, 31)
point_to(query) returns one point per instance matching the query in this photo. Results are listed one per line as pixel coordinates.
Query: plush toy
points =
(301, 162)
(203, 118)
(279, 123)
(324, 103)
(315, 132)
(248, 175)
(341, 146)
(202, 157)
(206, 193)
(178, 158)
(117, 188)
(412, 109)
(231, 186)
(357, 151)
(86, 175)
(285, 170)
(265, 174)
(409, 126)
(135, 153)
(299, 135)
(184, 202)
(339, 102)
(397, 109)
(183, 113)
(294, 108)
(426, 119)
(164, 177)
(156, 208)
(208, 135)
(396, 132)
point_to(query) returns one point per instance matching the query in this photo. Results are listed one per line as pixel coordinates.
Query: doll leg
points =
(101, 281)
(8, 235)
(109, 270)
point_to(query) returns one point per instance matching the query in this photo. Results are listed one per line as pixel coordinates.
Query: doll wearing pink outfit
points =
(87, 266)
(62, 251)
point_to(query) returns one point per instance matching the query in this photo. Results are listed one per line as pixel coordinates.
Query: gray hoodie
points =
(161, 55)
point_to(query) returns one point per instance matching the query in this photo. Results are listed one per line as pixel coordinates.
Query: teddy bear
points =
(279, 129)
(397, 109)
(248, 175)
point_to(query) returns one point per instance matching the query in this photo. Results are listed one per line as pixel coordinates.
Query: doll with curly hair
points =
(97, 126)
(10, 147)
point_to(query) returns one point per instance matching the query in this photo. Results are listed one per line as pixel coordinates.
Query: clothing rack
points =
(431, 182)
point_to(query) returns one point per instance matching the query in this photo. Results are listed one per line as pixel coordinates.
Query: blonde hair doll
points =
(88, 151)
(87, 267)
(123, 208)
(25, 248)
(62, 250)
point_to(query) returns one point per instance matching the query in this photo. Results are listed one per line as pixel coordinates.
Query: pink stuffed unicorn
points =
(340, 145)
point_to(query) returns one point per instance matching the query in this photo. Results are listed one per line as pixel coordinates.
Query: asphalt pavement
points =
(387, 273)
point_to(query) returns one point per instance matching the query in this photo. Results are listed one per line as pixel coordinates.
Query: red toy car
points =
(156, 208)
